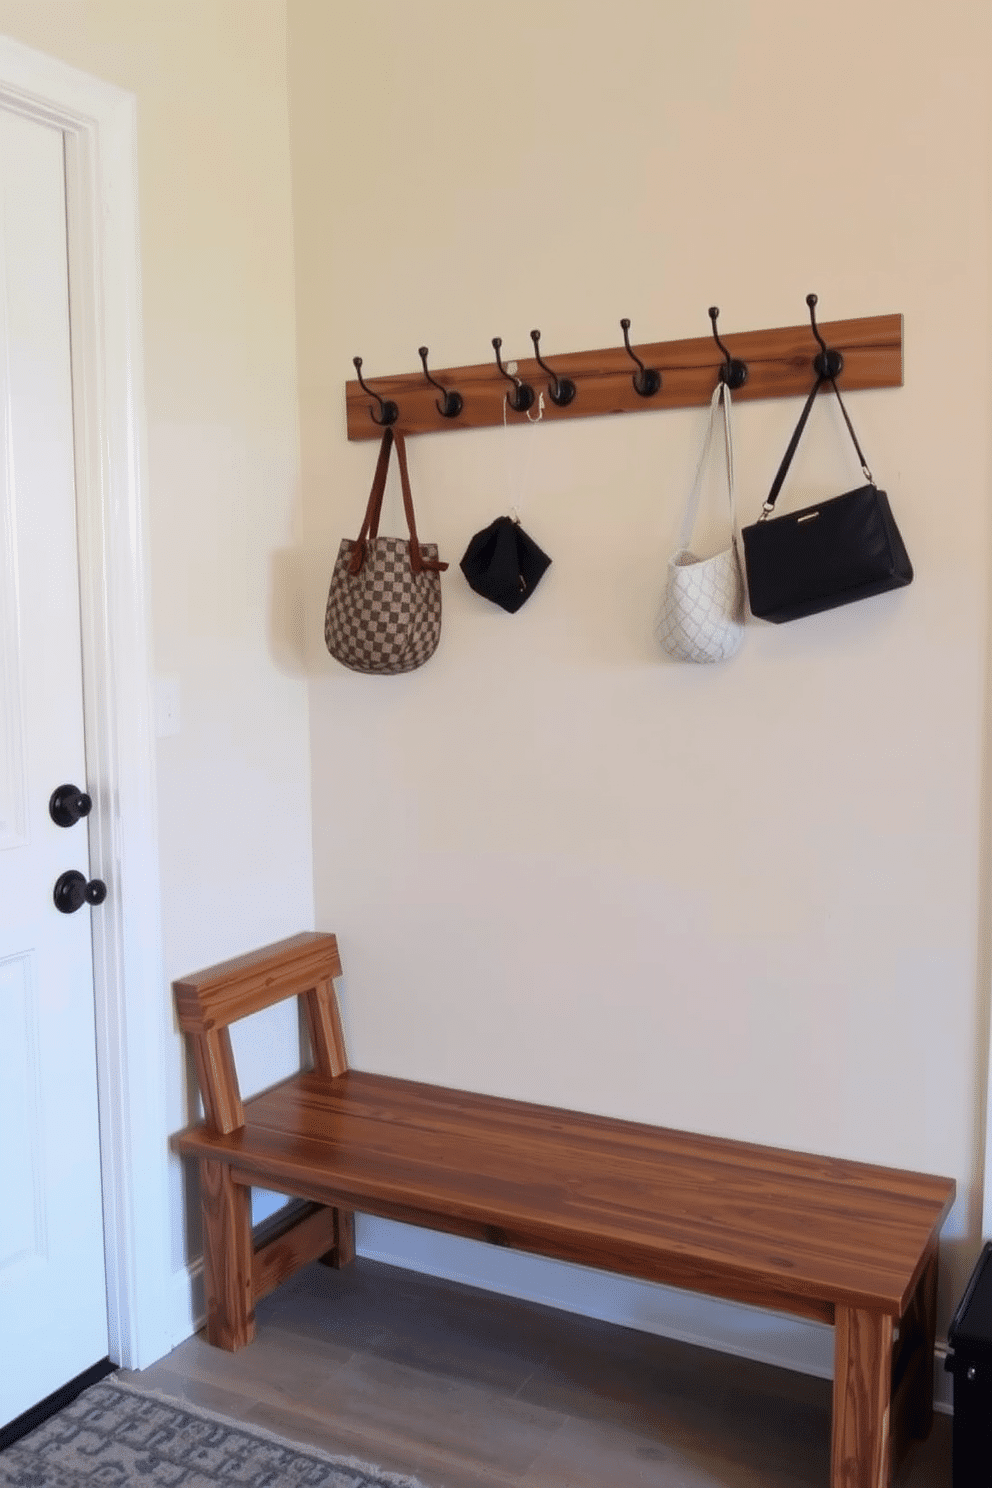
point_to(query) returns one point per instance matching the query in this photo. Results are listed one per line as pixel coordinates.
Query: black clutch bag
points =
(503, 564)
(841, 550)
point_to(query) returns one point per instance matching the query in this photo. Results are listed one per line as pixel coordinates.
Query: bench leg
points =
(922, 1318)
(344, 1241)
(227, 1257)
(912, 1365)
(860, 1451)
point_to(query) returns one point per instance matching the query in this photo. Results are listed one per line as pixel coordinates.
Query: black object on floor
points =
(970, 1338)
(53, 1403)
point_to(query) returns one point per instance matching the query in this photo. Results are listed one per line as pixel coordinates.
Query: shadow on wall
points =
(191, 1178)
(286, 619)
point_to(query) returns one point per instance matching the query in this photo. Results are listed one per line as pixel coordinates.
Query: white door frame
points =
(99, 126)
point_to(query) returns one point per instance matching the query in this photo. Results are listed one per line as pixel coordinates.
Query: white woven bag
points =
(702, 617)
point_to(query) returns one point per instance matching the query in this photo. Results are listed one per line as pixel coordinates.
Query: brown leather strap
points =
(370, 526)
(417, 560)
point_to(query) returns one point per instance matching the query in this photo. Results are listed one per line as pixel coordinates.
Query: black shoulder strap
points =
(773, 494)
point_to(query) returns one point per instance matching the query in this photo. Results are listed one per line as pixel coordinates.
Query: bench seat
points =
(849, 1244)
(755, 1224)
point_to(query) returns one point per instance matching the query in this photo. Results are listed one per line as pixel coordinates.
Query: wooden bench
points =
(840, 1242)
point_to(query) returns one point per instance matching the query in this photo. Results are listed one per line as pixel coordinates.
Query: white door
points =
(53, 1301)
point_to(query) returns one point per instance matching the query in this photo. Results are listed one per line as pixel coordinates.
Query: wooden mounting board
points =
(780, 365)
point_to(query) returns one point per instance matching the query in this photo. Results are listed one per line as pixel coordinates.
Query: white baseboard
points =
(768, 1337)
(189, 1312)
(943, 1384)
(728, 1327)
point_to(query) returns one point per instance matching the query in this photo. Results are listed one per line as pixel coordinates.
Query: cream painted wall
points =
(750, 899)
(223, 479)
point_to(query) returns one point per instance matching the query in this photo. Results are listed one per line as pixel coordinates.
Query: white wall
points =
(223, 485)
(744, 899)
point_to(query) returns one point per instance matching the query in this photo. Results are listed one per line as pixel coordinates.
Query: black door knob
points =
(72, 891)
(67, 804)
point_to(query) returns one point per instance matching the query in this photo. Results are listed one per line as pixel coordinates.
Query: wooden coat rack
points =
(779, 363)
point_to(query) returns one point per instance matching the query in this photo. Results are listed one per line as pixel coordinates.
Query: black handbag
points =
(841, 550)
(503, 564)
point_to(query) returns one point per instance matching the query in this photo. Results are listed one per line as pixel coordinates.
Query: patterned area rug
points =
(112, 1436)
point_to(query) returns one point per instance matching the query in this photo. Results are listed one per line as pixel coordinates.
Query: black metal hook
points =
(389, 412)
(452, 405)
(733, 372)
(523, 393)
(647, 381)
(826, 363)
(562, 391)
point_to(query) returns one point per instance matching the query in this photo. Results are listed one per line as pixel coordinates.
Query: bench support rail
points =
(324, 1028)
(239, 1271)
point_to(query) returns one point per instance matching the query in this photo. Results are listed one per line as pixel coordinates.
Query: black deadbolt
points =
(72, 891)
(67, 804)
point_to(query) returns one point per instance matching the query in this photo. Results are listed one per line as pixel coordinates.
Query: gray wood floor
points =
(465, 1389)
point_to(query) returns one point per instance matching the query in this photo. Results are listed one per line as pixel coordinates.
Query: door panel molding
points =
(13, 813)
(99, 127)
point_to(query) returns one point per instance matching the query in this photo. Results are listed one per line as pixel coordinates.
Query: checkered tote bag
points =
(384, 604)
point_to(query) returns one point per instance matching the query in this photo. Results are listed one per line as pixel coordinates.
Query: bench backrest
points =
(209, 1001)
